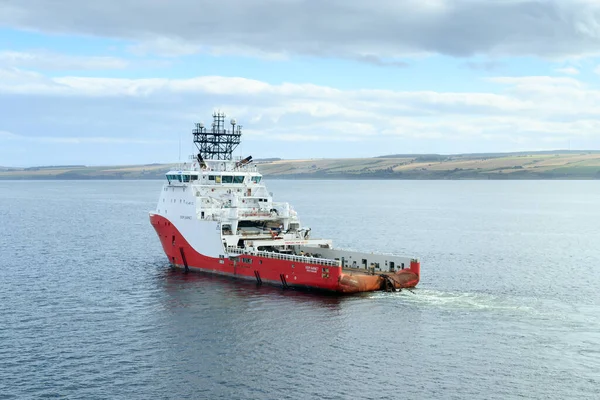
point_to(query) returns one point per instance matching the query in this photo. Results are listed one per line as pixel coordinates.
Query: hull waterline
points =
(302, 274)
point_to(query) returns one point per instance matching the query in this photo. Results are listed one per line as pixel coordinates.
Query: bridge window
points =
(186, 178)
(194, 177)
(227, 179)
(238, 179)
(256, 179)
(211, 177)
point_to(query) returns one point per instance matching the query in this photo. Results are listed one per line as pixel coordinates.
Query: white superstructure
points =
(232, 194)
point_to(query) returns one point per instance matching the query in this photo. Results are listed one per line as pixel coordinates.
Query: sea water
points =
(508, 305)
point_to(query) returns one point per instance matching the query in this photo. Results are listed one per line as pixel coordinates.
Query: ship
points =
(216, 215)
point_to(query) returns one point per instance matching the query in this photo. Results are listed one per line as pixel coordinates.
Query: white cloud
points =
(177, 47)
(13, 80)
(85, 111)
(528, 81)
(79, 139)
(568, 70)
(379, 29)
(164, 46)
(95, 140)
(44, 60)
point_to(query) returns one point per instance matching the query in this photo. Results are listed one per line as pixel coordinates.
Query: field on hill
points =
(584, 165)
(152, 171)
(543, 165)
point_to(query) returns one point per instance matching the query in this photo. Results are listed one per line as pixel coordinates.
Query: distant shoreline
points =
(332, 178)
(571, 165)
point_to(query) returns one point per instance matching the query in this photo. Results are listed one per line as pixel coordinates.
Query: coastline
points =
(573, 165)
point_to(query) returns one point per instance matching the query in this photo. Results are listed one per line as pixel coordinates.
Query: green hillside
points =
(535, 165)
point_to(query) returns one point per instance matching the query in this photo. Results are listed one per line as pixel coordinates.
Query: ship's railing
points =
(254, 214)
(281, 256)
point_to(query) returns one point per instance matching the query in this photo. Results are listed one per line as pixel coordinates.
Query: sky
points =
(123, 82)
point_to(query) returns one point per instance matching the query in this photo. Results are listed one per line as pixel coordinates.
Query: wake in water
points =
(460, 300)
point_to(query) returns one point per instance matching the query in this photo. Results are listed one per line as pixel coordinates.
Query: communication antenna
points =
(218, 143)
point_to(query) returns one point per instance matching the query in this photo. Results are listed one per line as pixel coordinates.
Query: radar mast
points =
(218, 143)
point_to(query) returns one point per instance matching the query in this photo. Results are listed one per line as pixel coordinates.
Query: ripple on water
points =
(89, 309)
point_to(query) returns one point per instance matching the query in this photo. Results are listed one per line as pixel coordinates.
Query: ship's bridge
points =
(182, 176)
(214, 177)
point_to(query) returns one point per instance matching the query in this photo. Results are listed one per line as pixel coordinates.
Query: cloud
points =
(540, 95)
(125, 113)
(79, 140)
(487, 66)
(379, 62)
(43, 60)
(381, 29)
(14, 80)
(568, 70)
(166, 47)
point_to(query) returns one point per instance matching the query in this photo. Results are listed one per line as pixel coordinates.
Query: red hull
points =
(280, 272)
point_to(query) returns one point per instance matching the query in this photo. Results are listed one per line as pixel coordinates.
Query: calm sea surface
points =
(508, 305)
